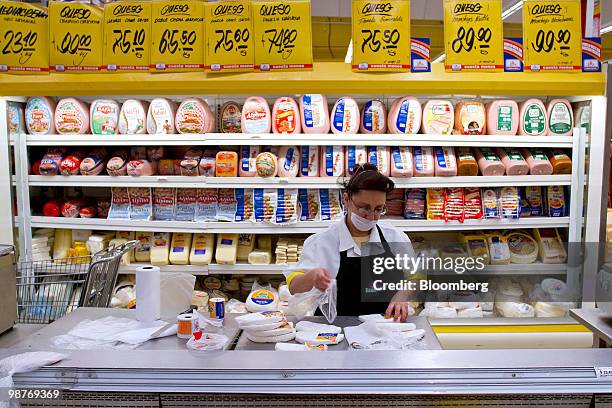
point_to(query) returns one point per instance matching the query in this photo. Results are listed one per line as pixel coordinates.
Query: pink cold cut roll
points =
(445, 162)
(373, 117)
(513, 160)
(160, 117)
(39, 115)
(133, 117)
(502, 117)
(405, 116)
(247, 166)
(256, 116)
(332, 161)
(94, 163)
(538, 162)
(288, 161)
(355, 155)
(50, 163)
(438, 118)
(117, 164)
(345, 116)
(139, 168)
(381, 158)
(560, 118)
(423, 161)
(402, 163)
(314, 113)
(286, 116)
(533, 120)
(489, 162)
(71, 117)
(104, 117)
(194, 116)
(309, 161)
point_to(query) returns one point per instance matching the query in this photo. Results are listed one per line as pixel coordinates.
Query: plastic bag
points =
(304, 304)
(208, 342)
(176, 292)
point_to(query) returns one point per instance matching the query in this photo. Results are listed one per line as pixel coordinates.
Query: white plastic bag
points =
(304, 304)
(176, 292)
(208, 342)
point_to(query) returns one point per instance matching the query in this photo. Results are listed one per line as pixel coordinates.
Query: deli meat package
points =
(160, 117)
(355, 156)
(104, 117)
(248, 161)
(374, 117)
(94, 163)
(39, 115)
(309, 161)
(381, 158)
(502, 117)
(344, 116)
(164, 204)
(405, 116)
(286, 116)
(133, 117)
(141, 203)
(71, 164)
(194, 116)
(314, 113)
(50, 163)
(120, 204)
(288, 161)
(71, 117)
(230, 118)
(332, 161)
(256, 116)
(438, 118)
(470, 118)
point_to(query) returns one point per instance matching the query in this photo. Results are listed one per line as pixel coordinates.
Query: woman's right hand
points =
(320, 278)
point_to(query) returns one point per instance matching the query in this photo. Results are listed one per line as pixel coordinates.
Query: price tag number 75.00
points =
(18, 43)
(125, 39)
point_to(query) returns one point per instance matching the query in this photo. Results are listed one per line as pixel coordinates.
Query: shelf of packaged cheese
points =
(239, 139)
(289, 182)
(326, 77)
(298, 228)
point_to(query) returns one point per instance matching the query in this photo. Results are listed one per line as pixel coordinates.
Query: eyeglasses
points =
(367, 211)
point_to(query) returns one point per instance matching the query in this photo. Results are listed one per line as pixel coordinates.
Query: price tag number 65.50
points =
(20, 43)
(170, 43)
(124, 39)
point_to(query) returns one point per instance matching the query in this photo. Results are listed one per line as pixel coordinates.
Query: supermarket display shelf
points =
(289, 182)
(298, 228)
(215, 139)
(326, 77)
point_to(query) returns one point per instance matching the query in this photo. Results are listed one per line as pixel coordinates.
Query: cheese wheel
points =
(262, 300)
(538, 162)
(305, 325)
(523, 248)
(489, 162)
(438, 117)
(345, 116)
(423, 161)
(513, 160)
(381, 158)
(561, 162)
(71, 117)
(288, 161)
(309, 161)
(262, 317)
(160, 117)
(402, 163)
(104, 117)
(230, 118)
(314, 113)
(286, 116)
(470, 118)
(317, 338)
(39, 115)
(133, 117)
(248, 159)
(405, 116)
(502, 117)
(445, 162)
(332, 161)
(226, 164)
(287, 328)
(256, 117)
(373, 117)
(533, 120)
(272, 339)
(194, 116)
(466, 162)
(560, 118)
(266, 164)
(355, 155)
(515, 310)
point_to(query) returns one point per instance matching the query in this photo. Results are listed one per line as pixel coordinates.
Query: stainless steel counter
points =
(597, 321)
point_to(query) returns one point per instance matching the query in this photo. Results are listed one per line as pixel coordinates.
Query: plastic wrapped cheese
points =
(345, 116)
(288, 161)
(381, 158)
(515, 310)
(133, 117)
(470, 118)
(194, 116)
(560, 117)
(160, 249)
(438, 117)
(402, 164)
(180, 248)
(332, 161)
(498, 249)
(314, 113)
(502, 117)
(227, 247)
(104, 117)
(260, 257)
(160, 117)
(262, 300)
(71, 117)
(246, 244)
(533, 120)
(445, 162)
(551, 248)
(523, 248)
(39, 115)
(283, 292)
(316, 338)
(143, 252)
(423, 161)
(405, 116)
(62, 243)
(248, 157)
(256, 117)
(286, 116)
(273, 339)
(373, 117)
(254, 319)
(549, 309)
(309, 161)
(202, 249)
(355, 155)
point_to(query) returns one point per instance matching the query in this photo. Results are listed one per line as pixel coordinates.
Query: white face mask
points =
(362, 224)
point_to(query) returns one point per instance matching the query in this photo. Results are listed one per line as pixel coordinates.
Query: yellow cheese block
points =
(227, 248)
(202, 249)
(246, 244)
(180, 248)
(130, 236)
(62, 243)
(143, 252)
(160, 249)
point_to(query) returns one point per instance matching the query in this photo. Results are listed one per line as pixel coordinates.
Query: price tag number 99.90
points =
(545, 41)
(281, 41)
(375, 40)
(19, 43)
(127, 40)
(171, 40)
(466, 40)
(229, 40)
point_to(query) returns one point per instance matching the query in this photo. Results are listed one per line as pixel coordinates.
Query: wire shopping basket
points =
(47, 290)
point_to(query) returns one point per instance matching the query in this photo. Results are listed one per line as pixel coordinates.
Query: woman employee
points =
(336, 253)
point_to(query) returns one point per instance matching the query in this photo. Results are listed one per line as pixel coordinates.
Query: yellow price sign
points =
(127, 36)
(229, 36)
(381, 35)
(177, 36)
(552, 35)
(282, 35)
(76, 37)
(473, 35)
(24, 38)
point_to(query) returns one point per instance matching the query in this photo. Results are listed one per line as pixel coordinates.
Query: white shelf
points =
(214, 139)
(299, 228)
(288, 182)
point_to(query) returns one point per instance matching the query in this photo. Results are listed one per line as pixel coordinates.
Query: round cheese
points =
(523, 248)
(305, 325)
(278, 331)
(514, 309)
(262, 300)
(316, 338)
(271, 339)
(472, 312)
(557, 290)
(263, 317)
(546, 309)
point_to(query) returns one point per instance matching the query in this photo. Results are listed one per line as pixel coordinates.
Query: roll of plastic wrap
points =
(148, 300)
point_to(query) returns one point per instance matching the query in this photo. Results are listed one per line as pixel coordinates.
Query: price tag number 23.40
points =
(170, 42)
(466, 40)
(20, 43)
(545, 41)
(233, 40)
(125, 40)
(372, 40)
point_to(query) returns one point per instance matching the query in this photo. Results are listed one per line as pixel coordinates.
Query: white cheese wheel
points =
(523, 248)
(299, 347)
(305, 325)
(272, 339)
(279, 331)
(316, 338)
(256, 318)
(262, 300)
(262, 327)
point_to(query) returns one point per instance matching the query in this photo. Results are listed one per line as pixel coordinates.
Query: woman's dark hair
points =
(367, 177)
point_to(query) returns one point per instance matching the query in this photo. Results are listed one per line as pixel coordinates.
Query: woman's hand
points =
(320, 278)
(397, 311)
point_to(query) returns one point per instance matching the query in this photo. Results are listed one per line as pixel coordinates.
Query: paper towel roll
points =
(148, 299)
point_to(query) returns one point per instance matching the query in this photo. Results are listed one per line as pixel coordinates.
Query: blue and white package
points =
(591, 54)
(164, 204)
(415, 203)
(513, 54)
(374, 117)
(309, 161)
(286, 206)
(207, 202)
(226, 205)
(264, 202)
(355, 155)
(333, 161)
(331, 206)
(244, 205)
(490, 203)
(186, 202)
(310, 206)
(420, 55)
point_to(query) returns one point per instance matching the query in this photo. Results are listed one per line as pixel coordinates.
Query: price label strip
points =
(282, 35)
(229, 36)
(24, 38)
(127, 33)
(552, 35)
(77, 37)
(177, 36)
(473, 35)
(381, 35)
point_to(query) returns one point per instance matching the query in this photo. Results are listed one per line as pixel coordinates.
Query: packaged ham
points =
(264, 200)
(226, 164)
(117, 164)
(208, 163)
(415, 203)
(248, 156)
(155, 153)
(104, 117)
(94, 163)
(538, 162)
(266, 164)
(50, 163)
(402, 163)
(133, 117)
(502, 117)
(39, 115)
(314, 113)
(373, 117)
(71, 208)
(164, 204)
(438, 117)
(160, 118)
(190, 165)
(71, 164)
(52, 208)
(310, 204)
(466, 162)
(226, 204)
(120, 204)
(245, 205)
(435, 204)
(381, 158)
(445, 162)
(355, 155)
(582, 116)
(561, 162)
(560, 117)
(15, 116)
(286, 206)
(453, 204)
(513, 160)
(331, 206)
(472, 204)
(489, 162)
(230, 118)
(423, 161)
(286, 116)
(194, 116)
(309, 161)
(256, 117)
(490, 203)
(470, 118)
(405, 116)
(332, 161)
(141, 203)
(137, 168)
(71, 117)
(344, 116)
(288, 161)
(532, 118)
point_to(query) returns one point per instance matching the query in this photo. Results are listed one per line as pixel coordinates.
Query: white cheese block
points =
(160, 248)
(227, 248)
(279, 331)
(316, 338)
(130, 236)
(546, 309)
(260, 257)
(273, 339)
(143, 252)
(263, 317)
(125, 259)
(202, 249)
(180, 248)
(262, 300)
(318, 327)
(265, 326)
(246, 244)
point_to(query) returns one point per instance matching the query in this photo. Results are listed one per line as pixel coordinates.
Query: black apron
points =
(351, 289)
